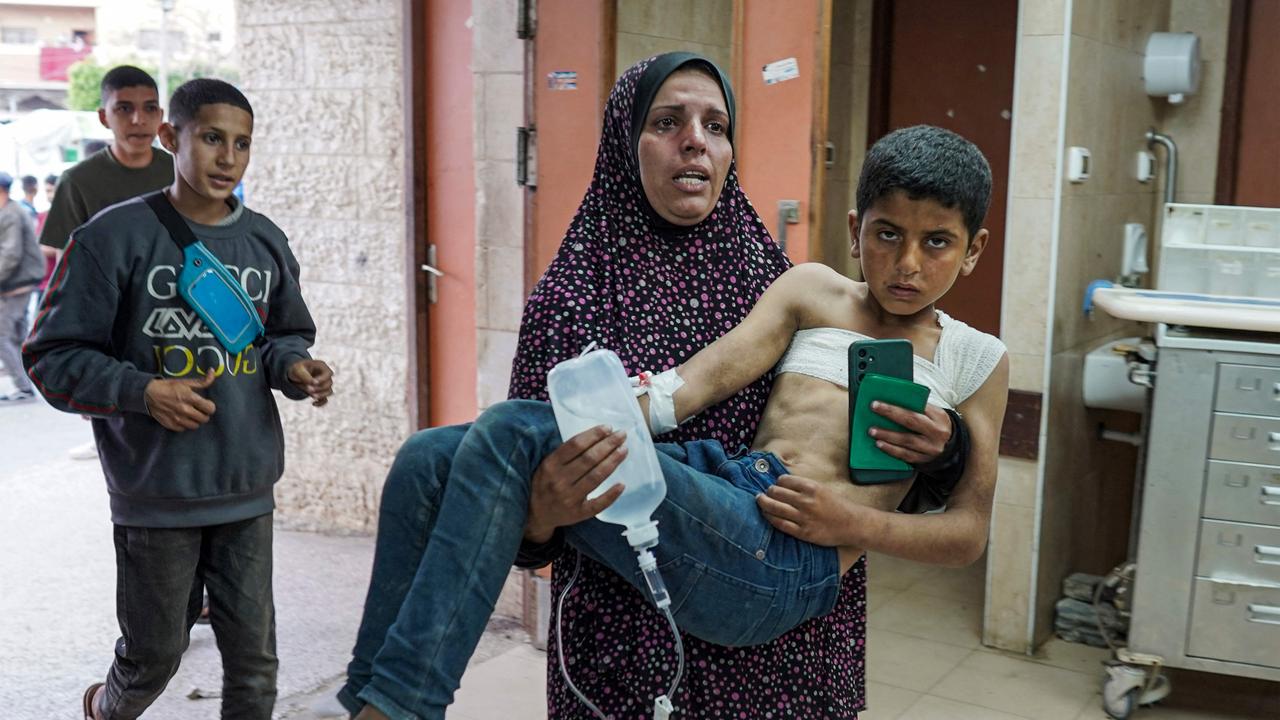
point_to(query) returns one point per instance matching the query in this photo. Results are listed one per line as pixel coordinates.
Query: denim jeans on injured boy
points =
(407, 514)
(733, 579)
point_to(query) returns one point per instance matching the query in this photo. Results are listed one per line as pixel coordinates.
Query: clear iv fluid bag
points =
(592, 389)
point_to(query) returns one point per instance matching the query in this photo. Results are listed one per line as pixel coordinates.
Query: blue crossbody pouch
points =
(207, 286)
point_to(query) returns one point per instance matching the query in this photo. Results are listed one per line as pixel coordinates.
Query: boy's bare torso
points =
(806, 420)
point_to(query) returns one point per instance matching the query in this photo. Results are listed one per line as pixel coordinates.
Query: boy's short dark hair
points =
(928, 162)
(30, 183)
(124, 76)
(195, 94)
(50, 179)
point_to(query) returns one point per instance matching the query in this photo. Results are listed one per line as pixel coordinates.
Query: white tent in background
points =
(47, 141)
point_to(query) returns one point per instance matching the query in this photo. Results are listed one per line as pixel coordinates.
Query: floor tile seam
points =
(976, 646)
(942, 595)
(1026, 658)
(975, 706)
(950, 672)
(1073, 710)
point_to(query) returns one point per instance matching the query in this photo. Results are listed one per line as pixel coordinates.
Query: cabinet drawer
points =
(1235, 623)
(1243, 493)
(1250, 389)
(1245, 438)
(1239, 552)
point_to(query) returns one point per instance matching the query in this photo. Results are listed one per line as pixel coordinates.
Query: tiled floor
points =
(925, 662)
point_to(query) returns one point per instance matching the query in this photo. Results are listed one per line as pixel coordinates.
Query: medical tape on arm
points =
(661, 389)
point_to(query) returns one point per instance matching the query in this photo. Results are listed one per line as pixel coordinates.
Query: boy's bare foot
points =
(371, 713)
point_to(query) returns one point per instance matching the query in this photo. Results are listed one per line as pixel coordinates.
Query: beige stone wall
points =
(497, 65)
(326, 81)
(1036, 135)
(650, 27)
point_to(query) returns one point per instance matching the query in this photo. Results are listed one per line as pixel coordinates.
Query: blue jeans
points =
(453, 515)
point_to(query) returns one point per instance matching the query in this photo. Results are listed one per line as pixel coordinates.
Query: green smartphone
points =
(892, 358)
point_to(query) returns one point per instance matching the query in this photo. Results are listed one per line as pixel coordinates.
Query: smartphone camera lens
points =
(862, 353)
(862, 366)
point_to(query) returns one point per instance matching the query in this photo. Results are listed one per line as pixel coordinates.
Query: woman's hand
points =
(927, 439)
(558, 495)
(807, 509)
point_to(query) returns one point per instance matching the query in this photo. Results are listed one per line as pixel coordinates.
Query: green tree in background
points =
(84, 79)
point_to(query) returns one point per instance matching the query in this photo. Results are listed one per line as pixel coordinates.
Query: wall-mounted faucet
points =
(1171, 153)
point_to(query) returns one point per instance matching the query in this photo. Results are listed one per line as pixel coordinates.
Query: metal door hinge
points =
(526, 19)
(527, 157)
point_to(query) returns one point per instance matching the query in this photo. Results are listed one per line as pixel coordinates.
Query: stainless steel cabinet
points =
(1207, 593)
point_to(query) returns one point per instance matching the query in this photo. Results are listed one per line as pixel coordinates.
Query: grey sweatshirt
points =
(21, 263)
(113, 321)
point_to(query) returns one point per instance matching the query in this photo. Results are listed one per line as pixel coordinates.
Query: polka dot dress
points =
(656, 294)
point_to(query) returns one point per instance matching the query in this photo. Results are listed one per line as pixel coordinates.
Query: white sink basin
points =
(1172, 308)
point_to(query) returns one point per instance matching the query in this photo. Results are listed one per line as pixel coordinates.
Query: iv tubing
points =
(564, 669)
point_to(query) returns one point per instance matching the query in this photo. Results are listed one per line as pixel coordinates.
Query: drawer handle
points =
(1247, 434)
(1271, 494)
(1274, 439)
(1265, 614)
(1267, 554)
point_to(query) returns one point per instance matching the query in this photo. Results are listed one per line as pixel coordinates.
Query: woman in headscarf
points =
(660, 260)
(656, 290)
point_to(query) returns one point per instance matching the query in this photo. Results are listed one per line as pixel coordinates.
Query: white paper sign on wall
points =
(781, 70)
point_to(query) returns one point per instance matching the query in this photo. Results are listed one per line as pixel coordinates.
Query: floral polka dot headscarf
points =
(653, 292)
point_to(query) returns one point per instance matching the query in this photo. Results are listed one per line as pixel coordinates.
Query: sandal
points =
(87, 701)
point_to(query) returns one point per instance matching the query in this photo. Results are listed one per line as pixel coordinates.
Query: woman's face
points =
(684, 148)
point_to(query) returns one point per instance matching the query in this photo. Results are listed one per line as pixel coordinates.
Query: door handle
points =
(1270, 495)
(433, 273)
(788, 214)
(1265, 614)
(1266, 554)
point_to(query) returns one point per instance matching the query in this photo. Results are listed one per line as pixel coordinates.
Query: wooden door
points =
(1249, 154)
(443, 215)
(781, 113)
(567, 84)
(950, 64)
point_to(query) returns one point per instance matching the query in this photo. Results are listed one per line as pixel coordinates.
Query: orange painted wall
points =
(451, 225)
(775, 122)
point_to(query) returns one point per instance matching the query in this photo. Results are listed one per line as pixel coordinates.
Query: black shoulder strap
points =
(178, 228)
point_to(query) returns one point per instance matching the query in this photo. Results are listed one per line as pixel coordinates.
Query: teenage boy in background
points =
(190, 437)
(126, 168)
(28, 201)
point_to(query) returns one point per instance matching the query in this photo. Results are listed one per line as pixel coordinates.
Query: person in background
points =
(50, 254)
(28, 201)
(190, 451)
(129, 166)
(21, 267)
